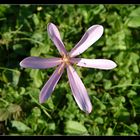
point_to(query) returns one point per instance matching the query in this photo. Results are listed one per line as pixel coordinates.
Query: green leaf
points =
(134, 127)
(36, 112)
(16, 76)
(14, 108)
(117, 101)
(4, 114)
(136, 69)
(135, 12)
(99, 120)
(20, 126)
(96, 130)
(3, 9)
(36, 19)
(34, 93)
(51, 126)
(98, 76)
(109, 132)
(107, 84)
(11, 76)
(134, 22)
(50, 103)
(136, 101)
(131, 93)
(75, 128)
(37, 77)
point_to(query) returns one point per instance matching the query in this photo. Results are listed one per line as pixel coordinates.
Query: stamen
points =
(60, 69)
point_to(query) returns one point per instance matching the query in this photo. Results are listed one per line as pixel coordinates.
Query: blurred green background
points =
(115, 94)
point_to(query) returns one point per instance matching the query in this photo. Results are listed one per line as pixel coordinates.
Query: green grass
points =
(115, 94)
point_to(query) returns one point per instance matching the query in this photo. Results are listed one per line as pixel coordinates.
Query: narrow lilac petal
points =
(79, 90)
(55, 37)
(50, 84)
(104, 64)
(40, 63)
(90, 36)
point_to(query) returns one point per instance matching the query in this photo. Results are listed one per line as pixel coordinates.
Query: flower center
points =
(65, 59)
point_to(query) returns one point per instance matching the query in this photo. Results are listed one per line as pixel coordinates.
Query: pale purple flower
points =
(66, 61)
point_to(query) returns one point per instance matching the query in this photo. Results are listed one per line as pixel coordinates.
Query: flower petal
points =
(55, 37)
(40, 63)
(79, 90)
(50, 84)
(94, 63)
(90, 36)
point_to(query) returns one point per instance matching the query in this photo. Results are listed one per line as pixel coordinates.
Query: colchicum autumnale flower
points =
(66, 61)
